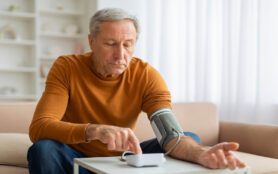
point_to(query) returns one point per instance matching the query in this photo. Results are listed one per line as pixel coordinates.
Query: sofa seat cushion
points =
(13, 170)
(259, 164)
(13, 149)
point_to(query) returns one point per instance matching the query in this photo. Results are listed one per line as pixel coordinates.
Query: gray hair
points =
(111, 14)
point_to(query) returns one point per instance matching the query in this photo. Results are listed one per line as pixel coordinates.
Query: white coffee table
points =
(171, 166)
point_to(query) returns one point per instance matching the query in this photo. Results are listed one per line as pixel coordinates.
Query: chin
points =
(117, 72)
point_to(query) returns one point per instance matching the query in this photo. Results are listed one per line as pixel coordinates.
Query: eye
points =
(127, 45)
(110, 43)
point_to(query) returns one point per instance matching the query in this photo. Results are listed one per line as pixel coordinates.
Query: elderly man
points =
(91, 102)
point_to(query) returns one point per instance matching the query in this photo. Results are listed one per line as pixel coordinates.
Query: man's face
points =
(113, 47)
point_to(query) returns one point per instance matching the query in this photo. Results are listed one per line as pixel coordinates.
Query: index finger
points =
(134, 142)
(230, 146)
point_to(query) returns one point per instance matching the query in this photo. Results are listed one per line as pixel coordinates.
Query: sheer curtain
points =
(220, 51)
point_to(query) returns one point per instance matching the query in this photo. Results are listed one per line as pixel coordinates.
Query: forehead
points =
(114, 29)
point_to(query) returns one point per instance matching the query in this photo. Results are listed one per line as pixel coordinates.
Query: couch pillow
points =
(13, 149)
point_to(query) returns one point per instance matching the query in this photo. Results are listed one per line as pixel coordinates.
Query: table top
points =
(114, 165)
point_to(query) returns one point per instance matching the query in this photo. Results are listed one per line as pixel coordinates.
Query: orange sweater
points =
(75, 96)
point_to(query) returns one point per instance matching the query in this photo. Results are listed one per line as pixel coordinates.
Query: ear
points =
(91, 41)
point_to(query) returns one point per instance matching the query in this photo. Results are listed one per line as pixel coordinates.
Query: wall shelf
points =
(60, 12)
(38, 27)
(17, 42)
(17, 14)
(47, 57)
(18, 69)
(61, 35)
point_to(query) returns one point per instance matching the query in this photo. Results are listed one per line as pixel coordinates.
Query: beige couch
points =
(258, 143)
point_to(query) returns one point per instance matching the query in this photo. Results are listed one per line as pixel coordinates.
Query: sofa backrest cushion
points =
(16, 117)
(200, 118)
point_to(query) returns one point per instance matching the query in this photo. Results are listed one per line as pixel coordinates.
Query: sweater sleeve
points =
(47, 120)
(156, 94)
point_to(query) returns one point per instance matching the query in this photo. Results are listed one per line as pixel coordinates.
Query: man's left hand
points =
(221, 156)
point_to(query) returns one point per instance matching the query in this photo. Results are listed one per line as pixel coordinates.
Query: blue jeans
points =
(51, 157)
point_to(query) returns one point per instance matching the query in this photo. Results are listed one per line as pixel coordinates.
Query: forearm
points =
(64, 132)
(187, 149)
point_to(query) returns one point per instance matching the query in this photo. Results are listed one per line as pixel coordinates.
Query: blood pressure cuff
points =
(165, 126)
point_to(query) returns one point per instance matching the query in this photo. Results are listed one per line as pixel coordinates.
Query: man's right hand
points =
(116, 138)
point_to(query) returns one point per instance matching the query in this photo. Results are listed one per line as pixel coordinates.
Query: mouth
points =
(116, 64)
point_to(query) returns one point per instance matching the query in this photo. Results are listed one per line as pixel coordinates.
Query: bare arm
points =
(219, 156)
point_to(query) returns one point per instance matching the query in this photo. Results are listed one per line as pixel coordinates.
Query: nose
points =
(119, 52)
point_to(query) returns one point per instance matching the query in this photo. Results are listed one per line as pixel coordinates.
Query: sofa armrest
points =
(252, 138)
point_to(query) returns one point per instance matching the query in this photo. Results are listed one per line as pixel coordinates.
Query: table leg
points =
(75, 168)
